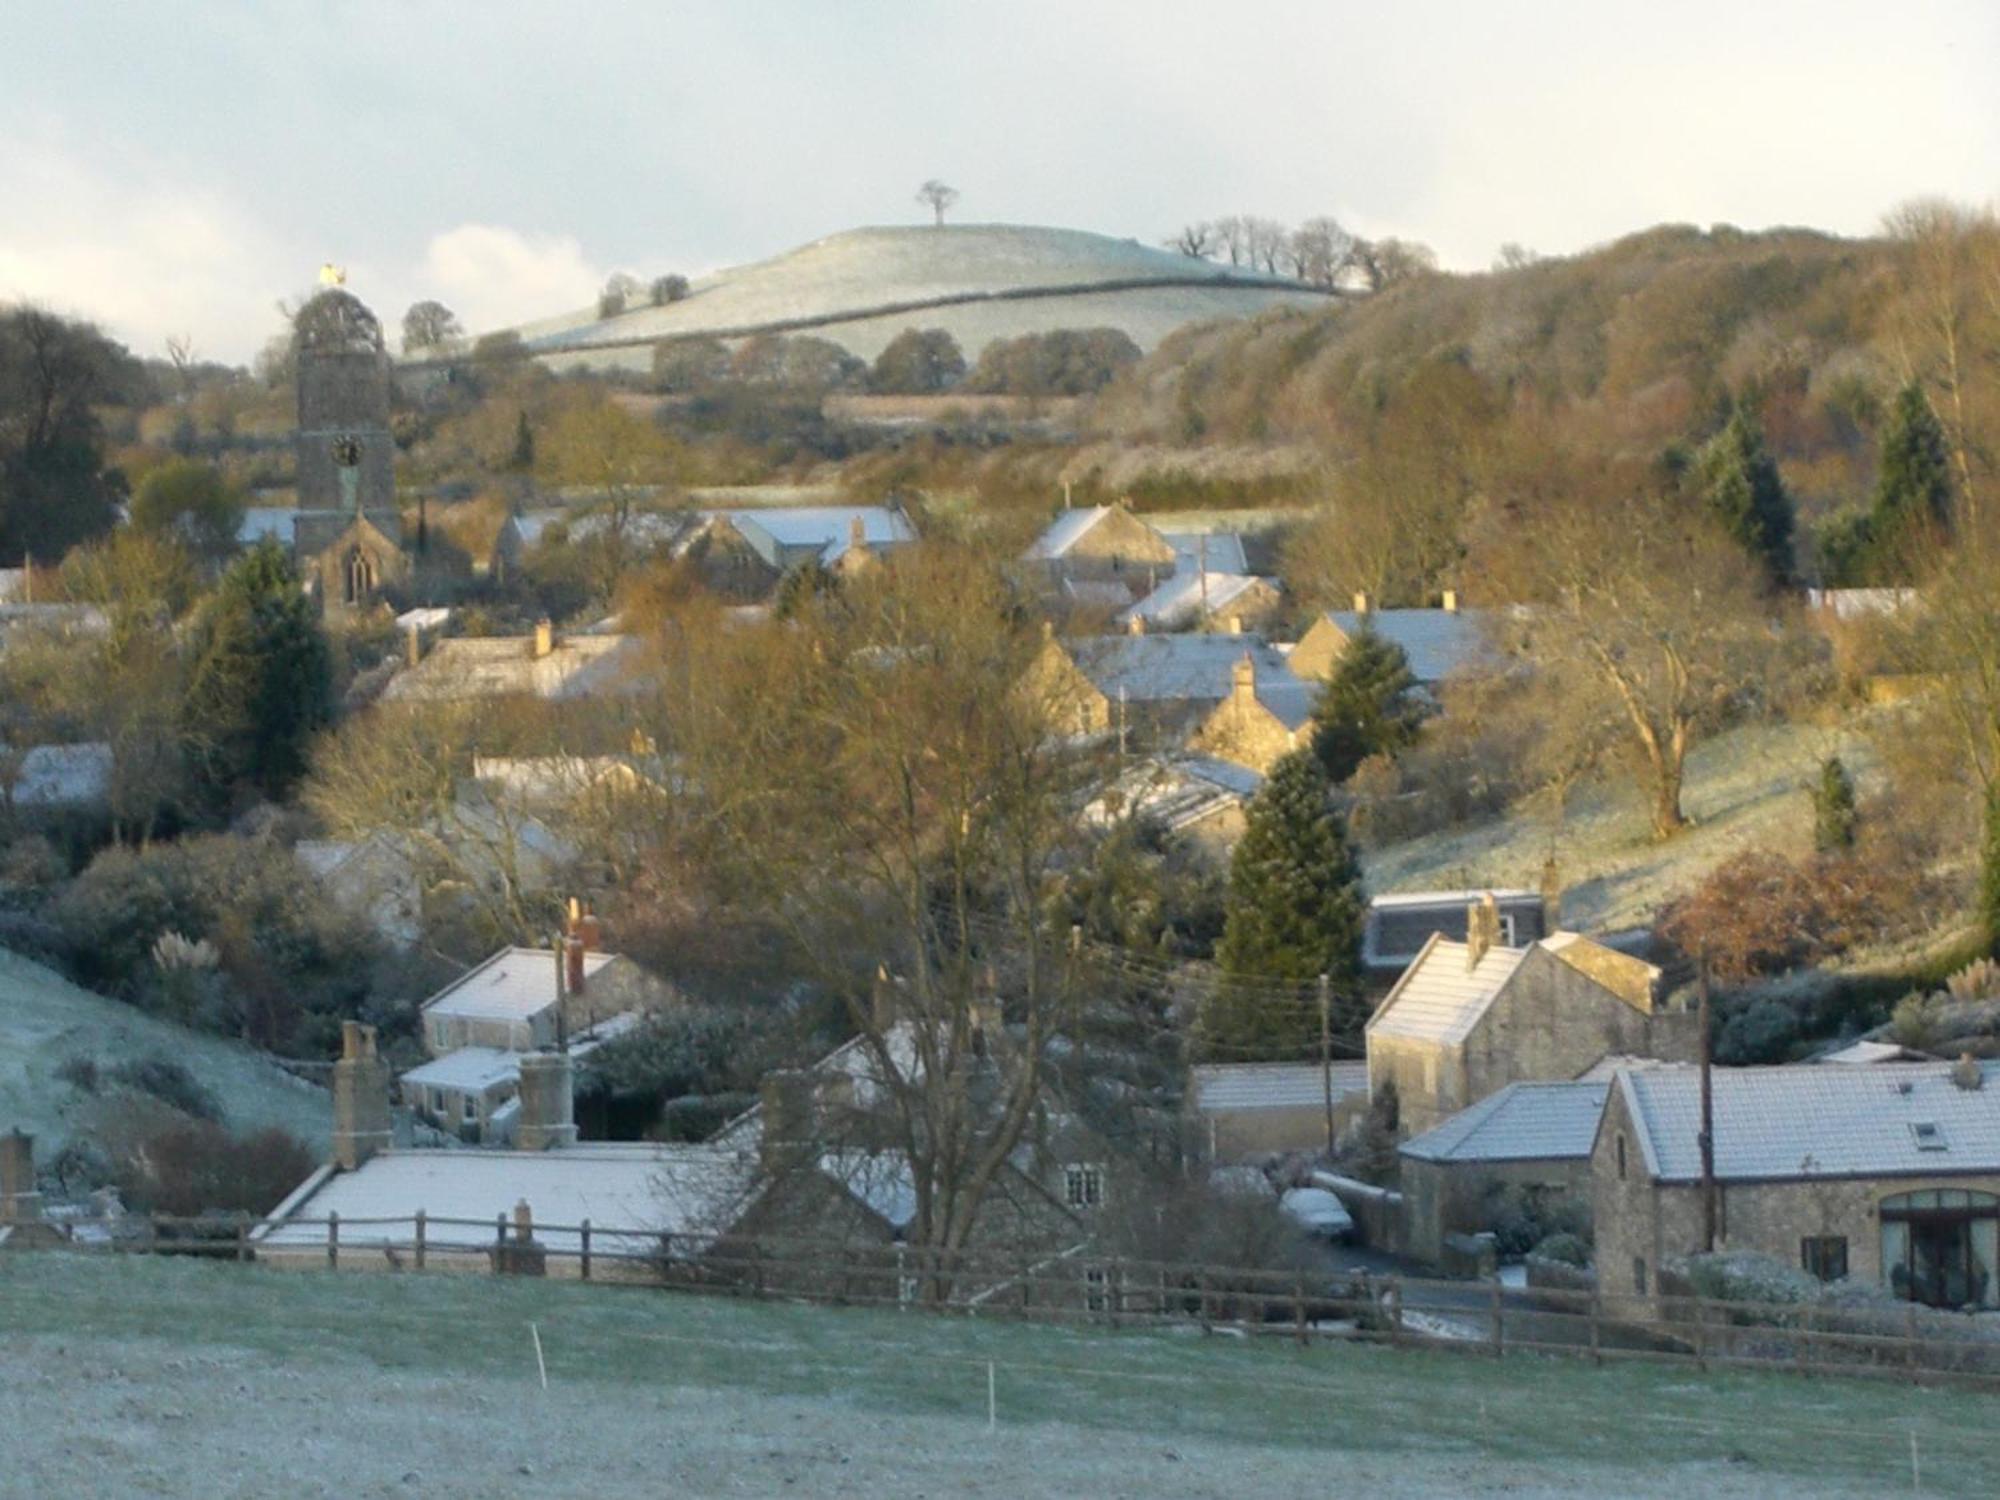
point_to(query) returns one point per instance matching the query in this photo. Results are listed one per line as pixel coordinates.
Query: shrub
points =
(1563, 1248)
(200, 1168)
(1915, 1021)
(1520, 1218)
(169, 1082)
(1761, 1032)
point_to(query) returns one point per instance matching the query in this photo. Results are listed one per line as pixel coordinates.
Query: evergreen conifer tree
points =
(1913, 488)
(1369, 706)
(260, 678)
(1741, 483)
(1833, 808)
(1294, 910)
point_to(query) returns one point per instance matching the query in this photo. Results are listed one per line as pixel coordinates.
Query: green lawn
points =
(1552, 1425)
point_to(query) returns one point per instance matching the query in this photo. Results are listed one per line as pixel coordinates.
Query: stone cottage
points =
(1153, 692)
(1888, 1175)
(1438, 642)
(1467, 1019)
(1260, 722)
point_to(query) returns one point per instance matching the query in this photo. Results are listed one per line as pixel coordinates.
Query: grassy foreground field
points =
(178, 1378)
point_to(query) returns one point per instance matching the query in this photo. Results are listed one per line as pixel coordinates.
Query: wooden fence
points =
(1898, 1341)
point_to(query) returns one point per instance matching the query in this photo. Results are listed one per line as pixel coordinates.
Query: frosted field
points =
(176, 1378)
(45, 1020)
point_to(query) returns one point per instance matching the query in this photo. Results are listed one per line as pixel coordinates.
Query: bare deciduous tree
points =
(1195, 241)
(937, 196)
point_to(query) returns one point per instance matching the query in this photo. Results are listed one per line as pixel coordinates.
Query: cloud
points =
(493, 276)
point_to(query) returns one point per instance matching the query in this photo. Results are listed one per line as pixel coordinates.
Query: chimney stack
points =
(1451, 601)
(1233, 625)
(857, 534)
(20, 1199)
(414, 647)
(1552, 895)
(1967, 1074)
(545, 637)
(360, 1098)
(786, 1098)
(1135, 623)
(1482, 929)
(1362, 603)
(548, 1102)
(882, 999)
(1243, 680)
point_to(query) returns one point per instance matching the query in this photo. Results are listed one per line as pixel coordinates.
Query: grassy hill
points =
(980, 282)
(45, 1021)
(176, 1377)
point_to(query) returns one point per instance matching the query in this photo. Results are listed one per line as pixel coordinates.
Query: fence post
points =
(583, 1263)
(1395, 1310)
(1910, 1342)
(242, 1240)
(332, 1239)
(1701, 1335)
(1299, 1306)
(1201, 1293)
(1805, 1339)
(1596, 1324)
(1499, 1327)
(757, 1269)
(1114, 1288)
(422, 1223)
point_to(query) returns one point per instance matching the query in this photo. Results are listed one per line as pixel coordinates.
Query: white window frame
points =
(1083, 1184)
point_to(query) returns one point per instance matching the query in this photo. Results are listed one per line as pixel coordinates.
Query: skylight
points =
(1928, 1136)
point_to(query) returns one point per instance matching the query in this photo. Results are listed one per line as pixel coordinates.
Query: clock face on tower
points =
(347, 452)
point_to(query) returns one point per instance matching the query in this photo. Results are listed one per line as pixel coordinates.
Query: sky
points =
(175, 169)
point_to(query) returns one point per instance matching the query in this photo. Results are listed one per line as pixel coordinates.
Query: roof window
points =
(1928, 1136)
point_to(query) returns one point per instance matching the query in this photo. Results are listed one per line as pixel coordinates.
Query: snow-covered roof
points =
(434, 618)
(1065, 532)
(471, 1070)
(1224, 1087)
(1169, 668)
(1866, 1054)
(1860, 604)
(515, 984)
(62, 775)
(1398, 900)
(1523, 1122)
(506, 666)
(1187, 596)
(827, 529)
(1218, 551)
(1437, 642)
(690, 1192)
(1175, 791)
(552, 778)
(1441, 997)
(1802, 1121)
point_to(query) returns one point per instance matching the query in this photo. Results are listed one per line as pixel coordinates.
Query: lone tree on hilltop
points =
(1369, 706)
(937, 196)
(1740, 481)
(429, 325)
(1294, 911)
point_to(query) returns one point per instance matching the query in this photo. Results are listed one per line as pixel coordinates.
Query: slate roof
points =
(1224, 1087)
(1065, 532)
(1179, 600)
(1523, 1122)
(1439, 999)
(1438, 642)
(471, 1070)
(1179, 790)
(63, 775)
(1801, 1121)
(1171, 668)
(1218, 551)
(506, 666)
(690, 1192)
(515, 984)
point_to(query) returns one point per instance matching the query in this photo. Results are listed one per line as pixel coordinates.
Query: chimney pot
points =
(545, 637)
(1967, 1074)
(415, 646)
(1482, 929)
(1451, 601)
(1233, 625)
(573, 951)
(360, 1098)
(1362, 603)
(1243, 679)
(1135, 624)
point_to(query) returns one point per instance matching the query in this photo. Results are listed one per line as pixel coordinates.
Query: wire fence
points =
(1085, 1286)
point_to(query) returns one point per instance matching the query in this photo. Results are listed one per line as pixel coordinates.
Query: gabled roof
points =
(469, 1070)
(1181, 668)
(1187, 596)
(515, 984)
(1523, 1122)
(1440, 998)
(506, 666)
(1801, 1121)
(1244, 1086)
(693, 1193)
(1177, 791)
(780, 533)
(1437, 642)
(1065, 532)
(1218, 551)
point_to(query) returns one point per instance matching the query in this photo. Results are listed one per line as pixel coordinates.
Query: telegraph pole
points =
(1707, 1136)
(1326, 1054)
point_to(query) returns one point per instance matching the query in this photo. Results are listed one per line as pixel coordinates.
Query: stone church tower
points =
(347, 534)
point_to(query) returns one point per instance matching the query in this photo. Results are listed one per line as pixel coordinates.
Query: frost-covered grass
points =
(1746, 789)
(45, 1021)
(182, 1377)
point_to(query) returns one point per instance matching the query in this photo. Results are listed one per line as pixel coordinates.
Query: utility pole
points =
(1326, 1054)
(1707, 1136)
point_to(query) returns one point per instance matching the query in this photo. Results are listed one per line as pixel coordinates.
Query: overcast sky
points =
(176, 168)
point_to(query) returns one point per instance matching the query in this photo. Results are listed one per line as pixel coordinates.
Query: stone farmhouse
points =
(1535, 1137)
(1884, 1174)
(1467, 1019)
(1438, 642)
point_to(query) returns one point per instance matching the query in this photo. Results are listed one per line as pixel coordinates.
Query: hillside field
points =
(175, 1377)
(45, 1021)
